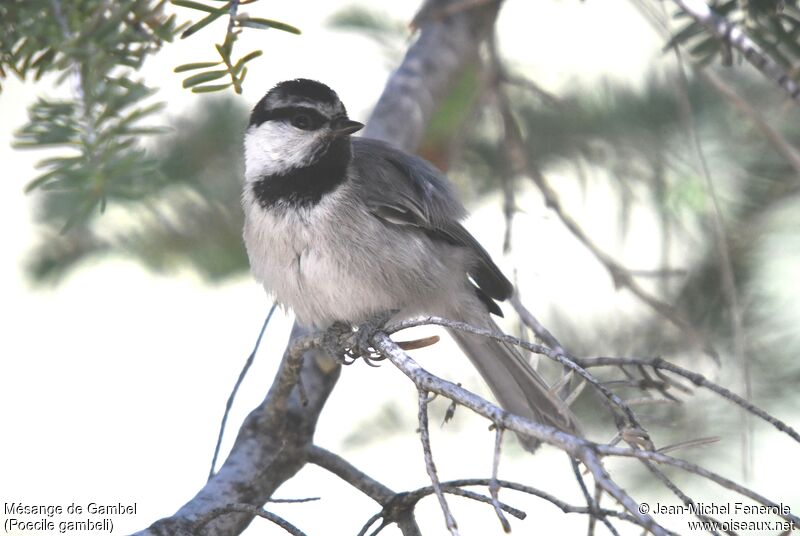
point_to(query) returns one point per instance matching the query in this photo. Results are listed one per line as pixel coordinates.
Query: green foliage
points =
(235, 70)
(96, 48)
(41, 36)
(773, 24)
(188, 215)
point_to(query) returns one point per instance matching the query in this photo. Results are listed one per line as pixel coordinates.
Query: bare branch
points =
(239, 380)
(558, 356)
(423, 79)
(589, 453)
(687, 501)
(595, 512)
(430, 467)
(347, 472)
(537, 327)
(697, 379)
(689, 467)
(561, 505)
(493, 485)
(252, 510)
(393, 510)
(575, 446)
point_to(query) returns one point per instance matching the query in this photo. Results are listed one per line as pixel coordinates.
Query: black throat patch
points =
(305, 186)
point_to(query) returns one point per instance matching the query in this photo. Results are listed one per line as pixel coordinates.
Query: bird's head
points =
(294, 125)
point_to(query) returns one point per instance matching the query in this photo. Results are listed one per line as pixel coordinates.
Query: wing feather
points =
(402, 189)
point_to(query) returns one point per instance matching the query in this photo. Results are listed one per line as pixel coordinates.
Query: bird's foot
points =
(347, 343)
(362, 338)
(335, 341)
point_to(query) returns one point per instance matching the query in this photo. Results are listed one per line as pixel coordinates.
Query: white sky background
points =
(112, 385)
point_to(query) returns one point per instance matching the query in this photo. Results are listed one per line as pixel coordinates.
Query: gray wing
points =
(403, 189)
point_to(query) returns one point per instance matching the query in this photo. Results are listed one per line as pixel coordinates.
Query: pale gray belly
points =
(330, 267)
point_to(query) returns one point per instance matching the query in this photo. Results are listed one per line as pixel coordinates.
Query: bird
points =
(343, 229)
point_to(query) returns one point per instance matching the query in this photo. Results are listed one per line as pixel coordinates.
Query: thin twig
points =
(405, 502)
(248, 509)
(519, 514)
(586, 451)
(685, 499)
(576, 446)
(598, 495)
(232, 16)
(558, 356)
(393, 510)
(493, 486)
(347, 472)
(293, 501)
(689, 467)
(522, 488)
(430, 467)
(697, 379)
(239, 380)
(537, 327)
(371, 521)
(396, 505)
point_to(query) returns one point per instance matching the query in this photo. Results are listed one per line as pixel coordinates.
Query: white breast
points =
(335, 261)
(296, 254)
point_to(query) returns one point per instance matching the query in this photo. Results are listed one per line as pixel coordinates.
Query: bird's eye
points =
(302, 121)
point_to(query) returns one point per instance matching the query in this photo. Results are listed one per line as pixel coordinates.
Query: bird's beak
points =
(342, 126)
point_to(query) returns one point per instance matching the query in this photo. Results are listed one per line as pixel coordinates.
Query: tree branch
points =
(445, 45)
(344, 470)
(425, 436)
(577, 447)
(587, 452)
(697, 379)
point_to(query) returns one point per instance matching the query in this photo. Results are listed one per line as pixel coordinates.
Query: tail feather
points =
(515, 384)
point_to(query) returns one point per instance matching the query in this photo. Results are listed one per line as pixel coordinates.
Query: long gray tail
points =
(515, 384)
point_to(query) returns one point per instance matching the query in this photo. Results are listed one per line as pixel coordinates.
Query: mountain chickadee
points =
(343, 229)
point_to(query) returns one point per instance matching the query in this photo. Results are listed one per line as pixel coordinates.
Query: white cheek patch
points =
(275, 147)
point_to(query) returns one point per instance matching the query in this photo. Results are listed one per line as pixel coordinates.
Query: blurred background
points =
(125, 328)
